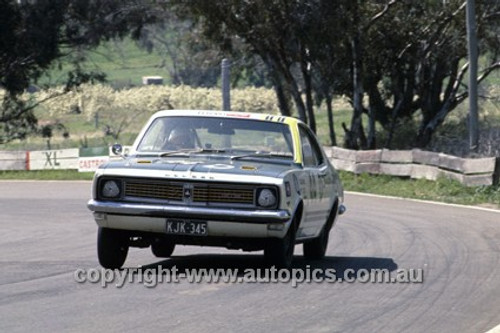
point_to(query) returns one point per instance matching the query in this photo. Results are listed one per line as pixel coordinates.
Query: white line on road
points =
(424, 201)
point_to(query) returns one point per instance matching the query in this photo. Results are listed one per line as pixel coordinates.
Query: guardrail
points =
(417, 164)
(403, 163)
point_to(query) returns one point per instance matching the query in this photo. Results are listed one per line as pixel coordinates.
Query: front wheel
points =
(279, 252)
(316, 248)
(112, 247)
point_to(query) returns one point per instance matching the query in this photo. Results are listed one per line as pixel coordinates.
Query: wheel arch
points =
(298, 214)
(334, 213)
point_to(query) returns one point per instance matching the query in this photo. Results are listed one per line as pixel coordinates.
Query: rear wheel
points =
(279, 252)
(162, 248)
(112, 247)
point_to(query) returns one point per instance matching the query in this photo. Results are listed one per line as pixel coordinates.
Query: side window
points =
(311, 154)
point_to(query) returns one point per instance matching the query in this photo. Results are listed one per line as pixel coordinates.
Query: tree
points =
(47, 131)
(270, 29)
(405, 58)
(418, 61)
(37, 35)
(192, 61)
(330, 68)
(397, 61)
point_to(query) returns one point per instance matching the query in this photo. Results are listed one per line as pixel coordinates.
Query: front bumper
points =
(220, 221)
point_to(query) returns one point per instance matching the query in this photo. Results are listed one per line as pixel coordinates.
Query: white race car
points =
(229, 179)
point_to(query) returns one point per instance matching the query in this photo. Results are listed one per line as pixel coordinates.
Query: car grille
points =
(217, 194)
(200, 193)
(153, 190)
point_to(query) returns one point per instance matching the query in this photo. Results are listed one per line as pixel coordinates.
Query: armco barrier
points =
(416, 164)
(403, 163)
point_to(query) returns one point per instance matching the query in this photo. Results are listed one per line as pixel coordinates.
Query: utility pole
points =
(226, 98)
(472, 48)
(96, 119)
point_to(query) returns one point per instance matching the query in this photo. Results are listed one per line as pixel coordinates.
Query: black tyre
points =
(112, 247)
(162, 248)
(316, 248)
(279, 252)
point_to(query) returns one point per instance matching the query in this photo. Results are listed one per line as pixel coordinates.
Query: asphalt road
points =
(48, 235)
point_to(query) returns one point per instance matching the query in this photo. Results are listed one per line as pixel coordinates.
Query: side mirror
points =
(117, 149)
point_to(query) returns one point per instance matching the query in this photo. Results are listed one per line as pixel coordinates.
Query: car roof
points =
(228, 114)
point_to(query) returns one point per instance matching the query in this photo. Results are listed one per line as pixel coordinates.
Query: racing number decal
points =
(313, 188)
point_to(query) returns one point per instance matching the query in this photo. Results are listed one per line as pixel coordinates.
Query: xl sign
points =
(53, 159)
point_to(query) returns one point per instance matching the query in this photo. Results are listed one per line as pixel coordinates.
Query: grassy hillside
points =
(123, 62)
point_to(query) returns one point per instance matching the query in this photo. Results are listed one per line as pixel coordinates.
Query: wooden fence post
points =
(496, 173)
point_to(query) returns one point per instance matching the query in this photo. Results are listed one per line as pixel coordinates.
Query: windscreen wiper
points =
(191, 151)
(262, 154)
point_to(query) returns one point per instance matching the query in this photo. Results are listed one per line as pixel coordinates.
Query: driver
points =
(180, 138)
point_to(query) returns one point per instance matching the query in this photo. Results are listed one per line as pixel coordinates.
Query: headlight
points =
(266, 198)
(110, 189)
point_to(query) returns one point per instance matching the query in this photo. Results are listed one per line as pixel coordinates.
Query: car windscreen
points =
(172, 133)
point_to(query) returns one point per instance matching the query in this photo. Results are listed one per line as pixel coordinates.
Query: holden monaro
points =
(211, 178)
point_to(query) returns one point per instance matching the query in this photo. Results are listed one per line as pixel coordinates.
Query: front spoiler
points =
(226, 214)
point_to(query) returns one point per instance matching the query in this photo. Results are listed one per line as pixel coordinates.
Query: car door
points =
(316, 178)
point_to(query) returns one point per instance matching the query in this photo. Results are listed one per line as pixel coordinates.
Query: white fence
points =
(13, 160)
(62, 159)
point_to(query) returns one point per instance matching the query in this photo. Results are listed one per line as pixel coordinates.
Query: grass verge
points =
(442, 190)
(46, 175)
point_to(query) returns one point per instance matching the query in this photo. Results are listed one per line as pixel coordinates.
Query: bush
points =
(94, 108)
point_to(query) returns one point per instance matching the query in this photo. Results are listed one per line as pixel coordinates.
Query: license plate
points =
(186, 227)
